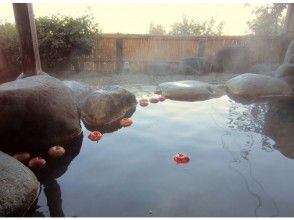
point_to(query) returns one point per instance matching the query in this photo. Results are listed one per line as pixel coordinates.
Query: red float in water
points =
(181, 158)
(153, 100)
(143, 102)
(126, 122)
(56, 151)
(22, 156)
(95, 136)
(37, 163)
(161, 98)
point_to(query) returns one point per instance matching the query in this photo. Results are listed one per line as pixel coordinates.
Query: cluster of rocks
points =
(39, 112)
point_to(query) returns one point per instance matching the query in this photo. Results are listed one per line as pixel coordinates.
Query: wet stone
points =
(189, 90)
(36, 112)
(19, 187)
(105, 106)
(255, 85)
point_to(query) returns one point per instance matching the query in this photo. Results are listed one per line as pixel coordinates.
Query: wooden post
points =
(25, 24)
(119, 55)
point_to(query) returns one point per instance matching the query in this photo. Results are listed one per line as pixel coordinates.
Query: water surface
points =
(241, 164)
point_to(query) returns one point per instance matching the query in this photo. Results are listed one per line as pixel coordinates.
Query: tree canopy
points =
(269, 20)
(156, 29)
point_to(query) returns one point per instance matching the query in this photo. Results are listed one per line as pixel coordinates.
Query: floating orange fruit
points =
(95, 136)
(161, 98)
(143, 102)
(37, 162)
(153, 100)
(126, 122)
(22, 156)
(56, 151)
(181, 158)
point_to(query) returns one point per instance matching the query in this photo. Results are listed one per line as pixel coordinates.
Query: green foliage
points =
(62, 40)
(269, 20)
(156, 29)
(9, 44)
(191, 27)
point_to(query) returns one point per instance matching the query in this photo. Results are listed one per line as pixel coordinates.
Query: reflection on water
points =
(236, 167)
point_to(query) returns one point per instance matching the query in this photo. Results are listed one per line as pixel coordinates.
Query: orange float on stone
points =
(37, 162)
(56, 151)
(181, 158)
(143, 102)
(22, 156)
(126, 122)
(95, 136)
(161, 98)
(153, 100)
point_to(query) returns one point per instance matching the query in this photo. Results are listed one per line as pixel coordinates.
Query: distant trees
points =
(191, 27)
(156, 29)
(269, 20)
(62, 40)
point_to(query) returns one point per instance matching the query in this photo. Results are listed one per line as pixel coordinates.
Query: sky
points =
(135, 18)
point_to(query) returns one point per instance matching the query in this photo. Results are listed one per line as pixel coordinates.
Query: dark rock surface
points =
(286, 72)
(198, 65)
(19, 187)
(189, 90)
(289, 56)
(255, 85)
(80, 90)
(105, 106)
(36, 112)
(235, 59)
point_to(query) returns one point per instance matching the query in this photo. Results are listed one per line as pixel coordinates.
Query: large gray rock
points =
(235, 59)
(80, 90)
(264, 68)
(105, 106)
(19, 187)
(189, 90)
(37, 112)
(286, 72)
(255, 85)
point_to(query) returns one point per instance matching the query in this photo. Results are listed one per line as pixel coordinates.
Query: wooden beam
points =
(25, 24)
(289, 23)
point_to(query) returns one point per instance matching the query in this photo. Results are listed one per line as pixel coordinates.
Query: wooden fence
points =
(112, 51)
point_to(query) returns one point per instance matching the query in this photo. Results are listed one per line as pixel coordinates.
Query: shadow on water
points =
(48, 179)
(272, 119)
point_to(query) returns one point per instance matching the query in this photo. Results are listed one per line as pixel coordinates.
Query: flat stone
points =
(105, 106)
(255, 85)
(19, 187)
(37, 112)
(189, 90)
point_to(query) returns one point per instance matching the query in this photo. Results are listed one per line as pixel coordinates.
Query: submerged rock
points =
(19, 187)
(189, 90)
(105, 106)
(255, 85)
(36, 112)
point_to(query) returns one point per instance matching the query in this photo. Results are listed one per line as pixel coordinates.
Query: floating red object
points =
(95, 136)
(56, 151)
(22, 156)
(181, 158)
(37, 162)
(143, 102)
(161, 98)
(126, 122)
(153, 100)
